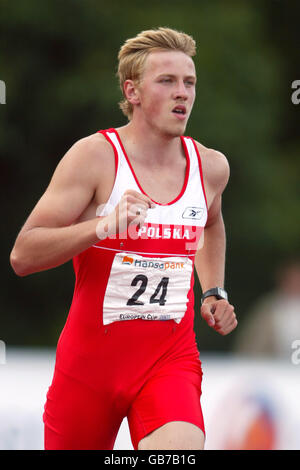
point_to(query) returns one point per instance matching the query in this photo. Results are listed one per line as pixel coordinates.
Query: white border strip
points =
(142, 252)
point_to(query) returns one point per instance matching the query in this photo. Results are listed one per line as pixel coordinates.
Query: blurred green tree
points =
(58, 60)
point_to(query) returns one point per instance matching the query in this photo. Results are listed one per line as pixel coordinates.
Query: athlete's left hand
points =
(219, 315)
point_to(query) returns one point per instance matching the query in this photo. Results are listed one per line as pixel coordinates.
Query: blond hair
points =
(134, 52)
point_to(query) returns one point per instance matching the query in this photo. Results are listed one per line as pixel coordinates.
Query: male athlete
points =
(130, 206)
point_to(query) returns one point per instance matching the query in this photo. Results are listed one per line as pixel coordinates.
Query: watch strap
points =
(217, 292)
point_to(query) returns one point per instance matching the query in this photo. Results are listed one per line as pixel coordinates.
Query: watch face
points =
(222, 293)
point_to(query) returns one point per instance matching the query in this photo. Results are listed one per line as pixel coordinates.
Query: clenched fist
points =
(132, 209)
(219, 315)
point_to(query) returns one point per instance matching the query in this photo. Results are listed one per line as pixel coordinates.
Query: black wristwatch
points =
(217, 292)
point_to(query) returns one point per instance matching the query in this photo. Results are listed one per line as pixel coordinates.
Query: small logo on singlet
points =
(194, 213)
(127, 260)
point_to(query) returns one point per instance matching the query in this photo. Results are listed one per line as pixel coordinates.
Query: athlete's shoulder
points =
(85, 161)
(215, 165)
(93, 148)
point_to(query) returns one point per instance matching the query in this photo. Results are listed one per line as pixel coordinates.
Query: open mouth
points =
(180, 110)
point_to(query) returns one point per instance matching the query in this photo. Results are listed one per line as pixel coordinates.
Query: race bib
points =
(147, 288)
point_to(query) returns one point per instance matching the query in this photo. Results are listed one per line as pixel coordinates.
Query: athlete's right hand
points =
(132, 209)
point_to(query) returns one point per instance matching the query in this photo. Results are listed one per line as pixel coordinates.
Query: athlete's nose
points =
(180, 91)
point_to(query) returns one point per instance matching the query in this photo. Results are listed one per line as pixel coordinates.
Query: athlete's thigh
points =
(175, 435)
(76, 417)
(165, 399)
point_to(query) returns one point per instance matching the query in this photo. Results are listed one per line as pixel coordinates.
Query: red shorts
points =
(85, 410)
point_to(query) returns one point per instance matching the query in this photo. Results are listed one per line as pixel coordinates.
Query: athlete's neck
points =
(156, 148)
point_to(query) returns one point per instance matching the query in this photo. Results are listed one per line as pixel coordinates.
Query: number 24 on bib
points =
(147, 288)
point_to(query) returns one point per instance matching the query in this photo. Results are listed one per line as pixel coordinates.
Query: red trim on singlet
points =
(187, 172)
(200, 169)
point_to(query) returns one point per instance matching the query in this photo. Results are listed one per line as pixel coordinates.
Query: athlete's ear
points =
(131, 92)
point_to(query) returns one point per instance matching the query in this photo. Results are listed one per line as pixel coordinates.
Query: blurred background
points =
(58, 60)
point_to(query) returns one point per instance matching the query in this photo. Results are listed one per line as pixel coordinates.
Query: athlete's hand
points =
(132, 209)
(219, 315)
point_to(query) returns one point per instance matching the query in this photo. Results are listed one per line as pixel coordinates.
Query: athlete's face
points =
(167, 91)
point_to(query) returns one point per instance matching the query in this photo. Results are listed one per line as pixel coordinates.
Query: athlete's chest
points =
(163, 183)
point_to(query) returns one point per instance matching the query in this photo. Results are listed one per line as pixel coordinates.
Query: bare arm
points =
(210, 259)
(55, 232)
(51, 236)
